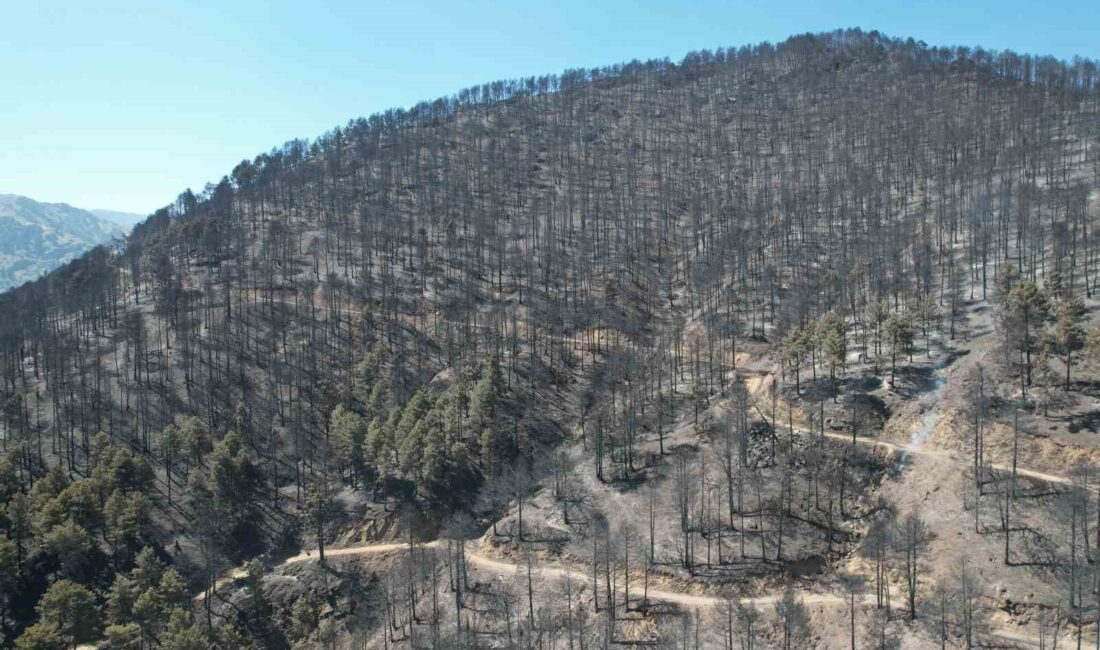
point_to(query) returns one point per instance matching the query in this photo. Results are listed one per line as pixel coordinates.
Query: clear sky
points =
(122, 105)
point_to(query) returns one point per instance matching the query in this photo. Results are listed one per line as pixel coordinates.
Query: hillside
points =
(731, 351)
(36, 238)
(124, 220)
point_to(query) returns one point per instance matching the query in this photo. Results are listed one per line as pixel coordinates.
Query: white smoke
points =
(922, 432)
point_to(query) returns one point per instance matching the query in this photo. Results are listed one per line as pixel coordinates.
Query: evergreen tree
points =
(1068, 336)
(349, 434)
(72, 609)
(484, 404)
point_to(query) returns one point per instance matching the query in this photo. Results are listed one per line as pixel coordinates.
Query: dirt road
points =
(1020, 471)
(505, 568)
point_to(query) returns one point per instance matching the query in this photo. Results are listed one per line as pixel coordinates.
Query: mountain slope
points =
(36, 238)
(646, 288)
(125, 220)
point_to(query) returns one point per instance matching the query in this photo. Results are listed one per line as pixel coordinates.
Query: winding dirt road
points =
(908, 449)
(503, 568)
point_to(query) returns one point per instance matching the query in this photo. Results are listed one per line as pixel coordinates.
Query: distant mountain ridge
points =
(126, 220)
(36, 238)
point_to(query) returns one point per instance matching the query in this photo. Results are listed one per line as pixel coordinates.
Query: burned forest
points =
(791, 346)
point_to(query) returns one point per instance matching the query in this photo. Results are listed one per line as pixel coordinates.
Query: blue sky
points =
(122, 105)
